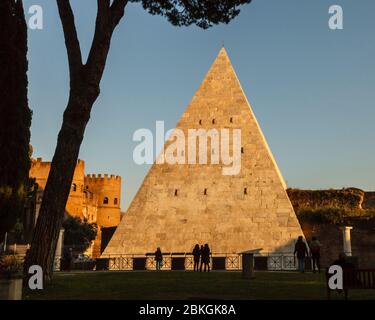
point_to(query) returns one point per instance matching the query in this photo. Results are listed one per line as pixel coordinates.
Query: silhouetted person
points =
(206, 257)
(158, 259)
(342, 261)
(68, 259)
(301, 250)
(201, 254)
(315, 254)
(347, 269)
(196, 255)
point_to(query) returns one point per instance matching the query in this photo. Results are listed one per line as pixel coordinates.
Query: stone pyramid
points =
(180, 205)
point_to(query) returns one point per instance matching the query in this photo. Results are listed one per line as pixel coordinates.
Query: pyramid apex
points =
(221, 65)
(223, 52)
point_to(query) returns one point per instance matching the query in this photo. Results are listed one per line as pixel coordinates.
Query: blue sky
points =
(311, 88)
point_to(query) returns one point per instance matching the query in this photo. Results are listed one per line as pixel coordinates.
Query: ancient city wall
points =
(322, 212)
(363, 242)
(40, 171)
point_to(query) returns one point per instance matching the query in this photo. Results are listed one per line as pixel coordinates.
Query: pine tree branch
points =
(117, 11)
(108, 17)
(71, 39)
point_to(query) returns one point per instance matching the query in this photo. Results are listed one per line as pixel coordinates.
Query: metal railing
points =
(128, 262)
(271, 261)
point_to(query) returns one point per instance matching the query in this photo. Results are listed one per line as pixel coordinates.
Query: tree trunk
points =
(58, 186)
(84, 90)
(15, 115)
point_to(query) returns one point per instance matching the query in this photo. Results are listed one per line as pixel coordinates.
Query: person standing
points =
(201, 258)
(301, 250)
(158, 259)
(315, 253)
(206, 257)
(348, 269)
(68, 259)
(196, 255)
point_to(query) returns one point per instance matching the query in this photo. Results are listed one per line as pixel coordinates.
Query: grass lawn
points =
(188, 285)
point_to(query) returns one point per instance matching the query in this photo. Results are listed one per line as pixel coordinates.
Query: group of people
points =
(201, 258)
(301, 251)
(201, 255)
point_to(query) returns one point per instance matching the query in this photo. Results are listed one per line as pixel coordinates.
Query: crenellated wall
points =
(108, 190)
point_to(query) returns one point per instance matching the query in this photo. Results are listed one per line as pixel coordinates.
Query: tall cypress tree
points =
(15, 115)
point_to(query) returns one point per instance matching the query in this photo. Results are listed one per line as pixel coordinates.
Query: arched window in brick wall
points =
(74, 187)
(115, 201)
(105, 201)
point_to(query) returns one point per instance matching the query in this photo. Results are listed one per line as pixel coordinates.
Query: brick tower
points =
(74, 206)
(107, 189)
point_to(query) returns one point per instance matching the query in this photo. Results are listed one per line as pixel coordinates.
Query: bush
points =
(10, 266)
(349, 198)
(79, 233)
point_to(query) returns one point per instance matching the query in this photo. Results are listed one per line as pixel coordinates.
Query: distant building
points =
(95, 198)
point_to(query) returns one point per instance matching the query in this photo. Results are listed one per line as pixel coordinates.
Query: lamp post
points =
(5, 242)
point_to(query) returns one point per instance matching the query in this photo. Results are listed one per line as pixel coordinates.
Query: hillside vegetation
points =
(349, 206)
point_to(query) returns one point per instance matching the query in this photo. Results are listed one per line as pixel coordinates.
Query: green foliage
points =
(203, 13)
(18, 231)
(10, 266)
(78, 233)
(349, 198)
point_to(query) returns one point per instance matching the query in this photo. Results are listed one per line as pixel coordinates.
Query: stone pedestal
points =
(346, 240)
(11, 289)
(248, 263)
